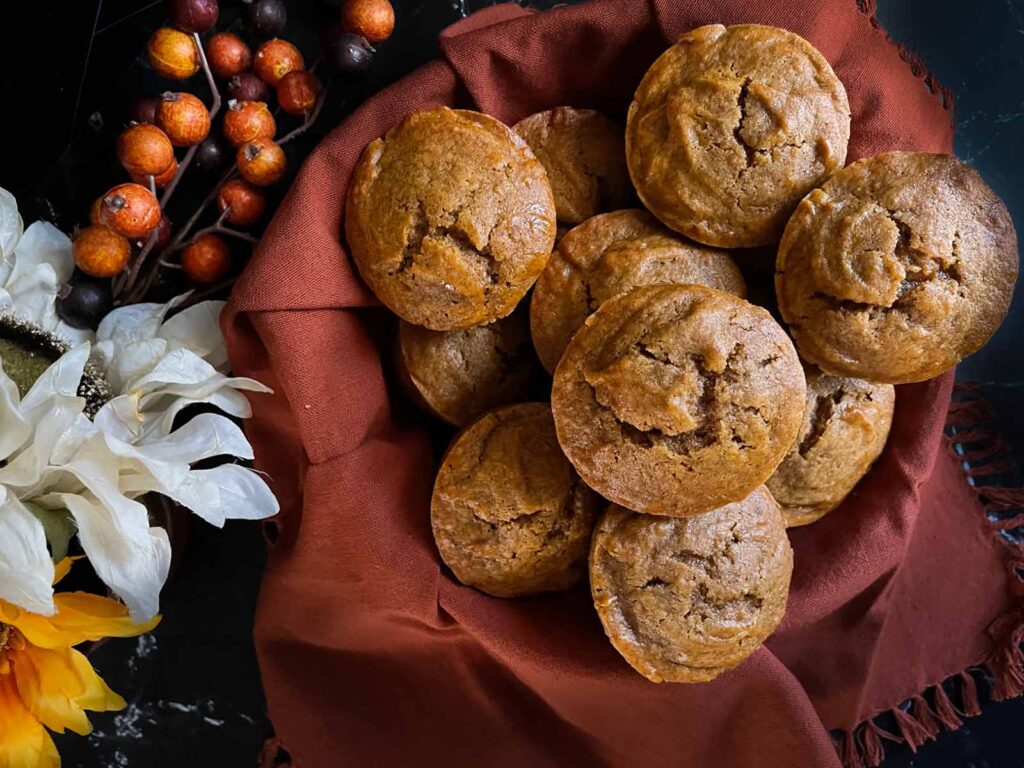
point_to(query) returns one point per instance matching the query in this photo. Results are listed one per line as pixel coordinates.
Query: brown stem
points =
(196, 296)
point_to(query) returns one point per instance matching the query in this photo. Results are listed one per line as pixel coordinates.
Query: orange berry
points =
(261, 162)
(184, 118)
(248, 120)
(373, 19)
(206, 259)
(101, 252)
(246, 202)
(96, 210)
(161, 180)
(130, 210)
(144, 149)
(297, 92)
(275, 59)
(173, 54)
(228, 55)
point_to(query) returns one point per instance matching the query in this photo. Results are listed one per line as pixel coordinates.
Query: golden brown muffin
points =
(450, 218)
(611, 254)
(677, 399)
(585, 157)
(458, 375)
(730, 127)
(846, 423)
(897, 268)
(510, 516)
(685, 599)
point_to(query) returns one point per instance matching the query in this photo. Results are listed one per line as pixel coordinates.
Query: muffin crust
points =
(675, 400)
(730, 127)
(897, 268)
(510, 516)
(450, 218)
(684, 599)
(610, 254)
(846, 424)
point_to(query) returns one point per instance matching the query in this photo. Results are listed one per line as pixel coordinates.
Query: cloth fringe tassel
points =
(920, 719)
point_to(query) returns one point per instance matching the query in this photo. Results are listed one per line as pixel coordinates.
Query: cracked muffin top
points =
(677, 399)
(610, 254)
(585, 157)
(458, 375)
(510, 516)
(730, 127)
(449, 218)
(846, 423)
(683, 600)
(897, 268)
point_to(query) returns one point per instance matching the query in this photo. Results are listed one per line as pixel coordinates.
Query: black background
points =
(67, 70)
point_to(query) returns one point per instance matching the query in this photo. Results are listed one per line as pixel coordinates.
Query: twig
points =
(206, 293)
(183, 232)
(152, 184)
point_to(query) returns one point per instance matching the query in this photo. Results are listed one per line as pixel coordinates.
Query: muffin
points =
(897, 268)
(684, 599)
(510, 516)
(730, 127)
(611, 254)
(458, 375)
(585, 157)
(846, 423)
(449, 218)
(677, 399)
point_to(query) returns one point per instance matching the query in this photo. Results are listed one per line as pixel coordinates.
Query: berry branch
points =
(129, 243)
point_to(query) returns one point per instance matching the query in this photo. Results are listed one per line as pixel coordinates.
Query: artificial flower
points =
(58, 467)
(50, 457)
(34, 262)
(44, 682)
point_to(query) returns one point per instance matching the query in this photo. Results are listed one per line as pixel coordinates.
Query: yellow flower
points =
(44, 682)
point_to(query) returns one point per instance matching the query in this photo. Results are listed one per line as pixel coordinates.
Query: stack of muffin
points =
(683, 432)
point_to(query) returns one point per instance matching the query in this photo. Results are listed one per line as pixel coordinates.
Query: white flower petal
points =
(11, 229)
(198, 328)
(120, 418)
(127, 554)
(33, 294)
(14, 428)
(26, 570)
(133, 361)
(203, 437)
(177, 367)
(227, 492)
(133, 322)
(243, 493)
(41, 244)
(61, 378)
(160, 418)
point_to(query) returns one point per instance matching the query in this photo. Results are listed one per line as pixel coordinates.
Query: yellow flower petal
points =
(24, 742)
(80, 617)
(60, 570)
(58, 686)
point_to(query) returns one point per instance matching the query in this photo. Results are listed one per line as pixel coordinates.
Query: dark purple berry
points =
(209, 156)
(351, 54)
(193, 15)
(86, 302)
(248, 87)
(143, 110)
(264, 17)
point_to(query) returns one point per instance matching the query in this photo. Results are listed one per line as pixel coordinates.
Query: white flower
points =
(50, 455)
(33, 265)
(56, 461)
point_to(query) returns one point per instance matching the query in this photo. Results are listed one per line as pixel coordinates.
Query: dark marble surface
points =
(66, 71)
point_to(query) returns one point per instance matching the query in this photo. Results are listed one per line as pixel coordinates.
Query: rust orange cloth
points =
(370, 652)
